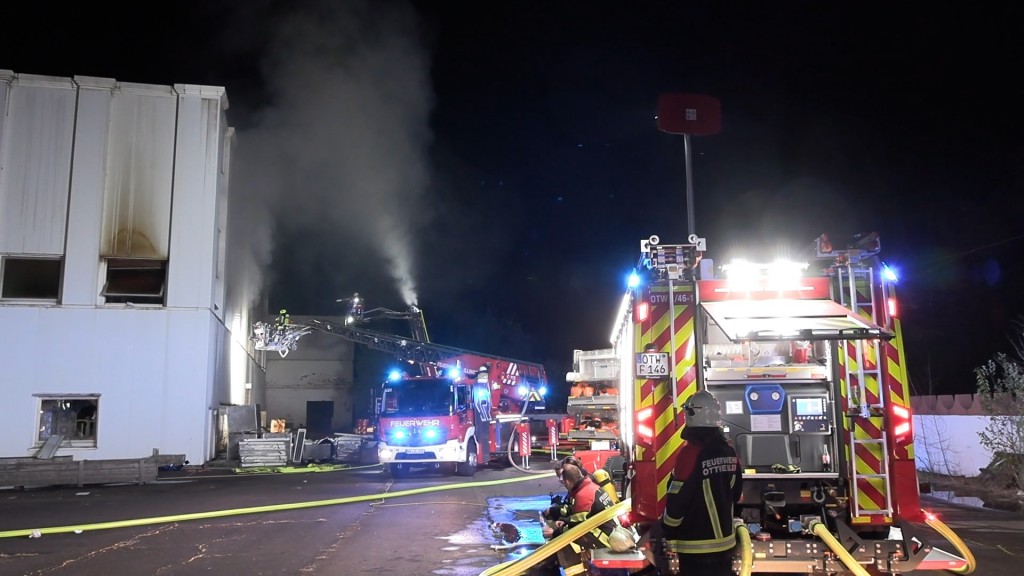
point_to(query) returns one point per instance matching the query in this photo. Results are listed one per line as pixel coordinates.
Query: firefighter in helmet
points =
(705, 485)
(584, 499)
(281, 325)
(282, 318)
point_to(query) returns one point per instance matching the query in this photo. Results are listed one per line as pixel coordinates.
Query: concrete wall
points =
(949, 444)
(946, 431)
(321, 369)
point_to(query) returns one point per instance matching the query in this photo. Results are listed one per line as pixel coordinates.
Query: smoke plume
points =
(338, 151)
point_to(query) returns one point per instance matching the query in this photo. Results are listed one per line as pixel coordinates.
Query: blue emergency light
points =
(888, 274)
(634, 280)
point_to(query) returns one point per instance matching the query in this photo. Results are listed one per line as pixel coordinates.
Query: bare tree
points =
(933, 436)
(1001, 391)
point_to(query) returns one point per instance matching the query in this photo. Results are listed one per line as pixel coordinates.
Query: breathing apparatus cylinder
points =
(605, 482)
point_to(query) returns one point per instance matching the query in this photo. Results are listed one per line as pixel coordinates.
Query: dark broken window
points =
(73, 417)
(31, 278)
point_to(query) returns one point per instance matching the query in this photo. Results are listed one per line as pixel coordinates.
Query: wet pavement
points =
(413, 526)
(410, 526)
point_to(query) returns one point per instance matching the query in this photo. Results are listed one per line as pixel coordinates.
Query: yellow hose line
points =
(516, 567)
(821, 531)
(961, 547)
(268, 470)
(746, 550)
(254, 510)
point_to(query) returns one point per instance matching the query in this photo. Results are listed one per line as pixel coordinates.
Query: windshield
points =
(429, 396)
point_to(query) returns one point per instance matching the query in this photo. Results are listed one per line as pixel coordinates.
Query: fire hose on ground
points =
(252, 510)
(933, 521)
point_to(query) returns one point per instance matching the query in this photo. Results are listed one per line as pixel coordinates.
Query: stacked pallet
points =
(263, 452)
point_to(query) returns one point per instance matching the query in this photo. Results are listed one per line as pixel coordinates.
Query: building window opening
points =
(73, 417)
(30, 278)
(136, 281)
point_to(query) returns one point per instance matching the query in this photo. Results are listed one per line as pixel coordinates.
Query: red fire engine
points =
(807, 362)
(457, 408)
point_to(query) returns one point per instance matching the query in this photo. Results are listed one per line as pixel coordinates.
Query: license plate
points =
(414, 451)
(652, 365)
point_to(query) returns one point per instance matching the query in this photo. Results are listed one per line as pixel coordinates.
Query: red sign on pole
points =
(524, 439)
(552, 434)
(694, 114)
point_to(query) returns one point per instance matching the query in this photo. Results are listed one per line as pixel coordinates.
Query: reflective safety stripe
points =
(674, 487)
(578, 517)
(574, 569)
(709, 500)
(701, 546)
(670, 521)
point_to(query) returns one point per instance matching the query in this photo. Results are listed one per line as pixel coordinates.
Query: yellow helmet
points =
(621, 540)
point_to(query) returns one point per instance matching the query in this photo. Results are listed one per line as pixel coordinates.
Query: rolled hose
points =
(511, 442)
(821, 531)
(512, 461)
(516, 567)
(933, 521)
(746, 550)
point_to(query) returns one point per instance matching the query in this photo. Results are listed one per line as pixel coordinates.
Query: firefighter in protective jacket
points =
(705, 485)
(585, 498)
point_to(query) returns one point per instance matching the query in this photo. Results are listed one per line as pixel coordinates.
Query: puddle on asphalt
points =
(506, 518)
(524, 515)
(952, 497)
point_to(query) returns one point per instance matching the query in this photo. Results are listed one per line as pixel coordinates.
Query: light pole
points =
(688, 114)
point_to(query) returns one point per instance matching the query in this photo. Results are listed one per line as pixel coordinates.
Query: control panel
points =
(809, 415)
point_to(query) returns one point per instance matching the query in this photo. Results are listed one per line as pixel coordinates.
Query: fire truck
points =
(446, 406)
(808, 364)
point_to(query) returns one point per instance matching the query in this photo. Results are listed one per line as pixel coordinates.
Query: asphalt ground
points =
(199, 521)
(357, 520)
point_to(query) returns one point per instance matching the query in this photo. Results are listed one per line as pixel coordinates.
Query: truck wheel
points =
(399, 470)
(468, 468)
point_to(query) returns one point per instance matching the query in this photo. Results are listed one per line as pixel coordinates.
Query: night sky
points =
(498, 163)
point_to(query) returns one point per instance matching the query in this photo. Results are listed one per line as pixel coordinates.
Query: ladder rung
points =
(869, 406)
(874, 512)
(869, 441)
(871, 475)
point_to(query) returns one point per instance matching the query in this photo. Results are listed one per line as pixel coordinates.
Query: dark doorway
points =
(319, 414)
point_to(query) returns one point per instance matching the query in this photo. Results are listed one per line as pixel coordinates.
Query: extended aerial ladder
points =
(463, 409)
(507, 375)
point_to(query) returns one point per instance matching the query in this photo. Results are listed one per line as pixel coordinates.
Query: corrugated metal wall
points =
(140, 161)
(38, 124)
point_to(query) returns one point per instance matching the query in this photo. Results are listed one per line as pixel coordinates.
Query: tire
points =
(468, 468)
(399, 470)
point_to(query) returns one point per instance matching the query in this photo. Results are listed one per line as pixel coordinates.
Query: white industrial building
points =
(125, 299)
